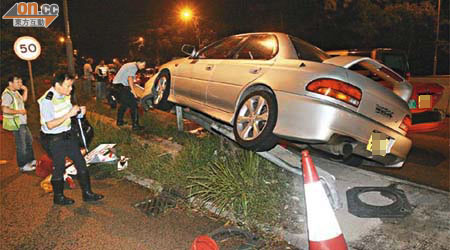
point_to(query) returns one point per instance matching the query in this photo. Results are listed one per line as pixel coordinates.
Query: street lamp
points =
(186, 15)
(61, 39)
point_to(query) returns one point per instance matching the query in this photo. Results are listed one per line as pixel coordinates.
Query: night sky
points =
(102, 28)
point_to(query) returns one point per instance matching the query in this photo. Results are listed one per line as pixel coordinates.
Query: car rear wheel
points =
(161, 90)
(255, 120)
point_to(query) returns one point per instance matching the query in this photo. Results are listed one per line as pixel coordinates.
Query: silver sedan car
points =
(272, 86)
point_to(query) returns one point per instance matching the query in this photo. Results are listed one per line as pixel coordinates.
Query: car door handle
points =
(255, 70)
(209, 67)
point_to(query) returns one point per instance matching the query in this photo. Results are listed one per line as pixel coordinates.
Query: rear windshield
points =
(306, 51)
(384, 76)
(397, 62)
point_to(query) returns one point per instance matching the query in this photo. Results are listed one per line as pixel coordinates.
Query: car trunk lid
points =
(376, 71)
(384, 93)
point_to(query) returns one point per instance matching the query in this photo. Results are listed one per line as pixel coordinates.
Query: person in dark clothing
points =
(124, 83)
(56, 111)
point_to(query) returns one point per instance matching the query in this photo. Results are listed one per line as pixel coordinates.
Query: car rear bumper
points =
(306, 119)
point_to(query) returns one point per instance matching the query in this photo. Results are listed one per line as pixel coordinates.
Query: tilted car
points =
(272, 85)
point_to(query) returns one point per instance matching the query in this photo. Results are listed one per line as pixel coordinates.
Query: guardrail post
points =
(179, 112)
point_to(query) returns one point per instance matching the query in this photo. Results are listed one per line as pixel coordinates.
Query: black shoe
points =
(137, 127)
(85, 184)
(121, 123)
(58, 194)
(135, 119)
(90, 196)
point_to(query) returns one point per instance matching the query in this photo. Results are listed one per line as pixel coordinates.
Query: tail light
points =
(406, 123)
(408, 76)
(336, 89)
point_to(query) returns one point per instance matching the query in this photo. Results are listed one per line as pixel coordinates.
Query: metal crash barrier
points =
(280, 156)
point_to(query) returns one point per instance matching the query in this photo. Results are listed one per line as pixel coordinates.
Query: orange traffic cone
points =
(324, 232)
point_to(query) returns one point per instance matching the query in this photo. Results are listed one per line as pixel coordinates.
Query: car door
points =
(204, 65)
(252, 59)
(181, 78)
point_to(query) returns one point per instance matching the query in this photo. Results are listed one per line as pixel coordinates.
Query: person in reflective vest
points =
(56, 111)
(15, 120)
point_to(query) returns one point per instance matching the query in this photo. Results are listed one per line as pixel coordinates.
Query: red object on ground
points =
(324, 232)
(204, 242)
(69, 181)
(44, 166)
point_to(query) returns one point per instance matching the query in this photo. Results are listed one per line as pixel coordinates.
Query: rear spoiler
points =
(401, 87)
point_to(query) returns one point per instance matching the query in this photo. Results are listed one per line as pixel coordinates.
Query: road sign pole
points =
(69, 46)
(31, 80)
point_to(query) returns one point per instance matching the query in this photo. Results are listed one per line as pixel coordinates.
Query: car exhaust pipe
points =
(343, 149)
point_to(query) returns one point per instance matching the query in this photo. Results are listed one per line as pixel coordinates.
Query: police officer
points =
(124, 83)
(56, 112)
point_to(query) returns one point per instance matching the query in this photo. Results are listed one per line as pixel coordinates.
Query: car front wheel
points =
(255, 120)
(161, 91)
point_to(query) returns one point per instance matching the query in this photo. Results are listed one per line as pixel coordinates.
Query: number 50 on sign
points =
(28, 48)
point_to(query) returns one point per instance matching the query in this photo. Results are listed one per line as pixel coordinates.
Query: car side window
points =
(222, 49)
(258, 47)
(306, 51)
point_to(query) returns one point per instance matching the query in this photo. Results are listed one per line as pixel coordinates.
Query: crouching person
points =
(56, 112)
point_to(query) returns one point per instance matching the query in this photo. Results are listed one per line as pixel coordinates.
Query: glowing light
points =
(186, 14)
(62, 39)
(269, 43)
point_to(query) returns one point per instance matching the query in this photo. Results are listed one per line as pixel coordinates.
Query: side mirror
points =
(188, 50)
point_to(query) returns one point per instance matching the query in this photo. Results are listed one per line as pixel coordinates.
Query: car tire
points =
(264, 119)
(161, 92)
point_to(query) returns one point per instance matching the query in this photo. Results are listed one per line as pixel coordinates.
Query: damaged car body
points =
(272, 86)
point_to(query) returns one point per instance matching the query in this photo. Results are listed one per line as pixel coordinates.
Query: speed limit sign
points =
(27, 48)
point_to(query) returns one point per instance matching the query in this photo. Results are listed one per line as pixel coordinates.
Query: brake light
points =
(406, 123)
(408, 76)
(337, 90)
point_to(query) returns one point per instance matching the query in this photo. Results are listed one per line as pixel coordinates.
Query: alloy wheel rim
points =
(252, 118)
(160, 87)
